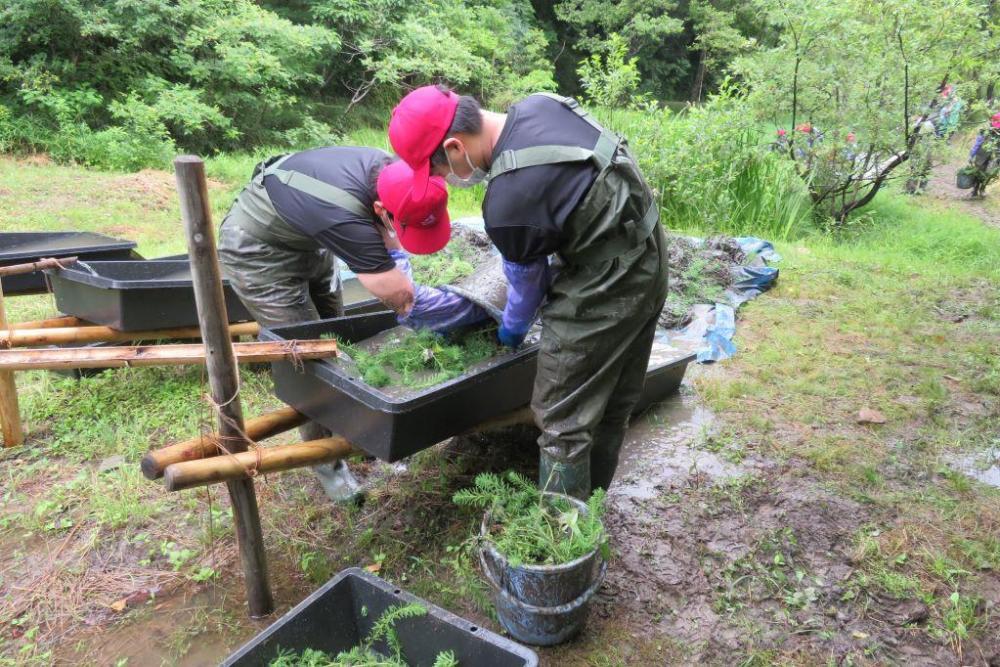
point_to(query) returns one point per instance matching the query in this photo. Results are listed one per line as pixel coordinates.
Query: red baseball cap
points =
(995, 120)
(418, 126)
(422, 224)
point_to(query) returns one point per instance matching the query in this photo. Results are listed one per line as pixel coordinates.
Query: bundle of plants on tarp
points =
(365, 655)
(529, 527)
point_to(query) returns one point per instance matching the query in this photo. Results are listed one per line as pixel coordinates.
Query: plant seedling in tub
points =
(530, 528)
(363, 655)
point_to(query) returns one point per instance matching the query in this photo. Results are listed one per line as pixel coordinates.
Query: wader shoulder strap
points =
(575, 107)
(602, 153)
(325, 192)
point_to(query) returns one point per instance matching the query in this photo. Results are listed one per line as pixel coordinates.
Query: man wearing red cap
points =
(280, 241)
(559, 184)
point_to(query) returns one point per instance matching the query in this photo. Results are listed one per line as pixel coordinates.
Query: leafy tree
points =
(853, 80)
(649, 29)
(611, 80)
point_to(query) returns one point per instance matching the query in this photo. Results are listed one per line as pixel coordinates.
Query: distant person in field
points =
(280, 242)
(985, 156)
(949, 114)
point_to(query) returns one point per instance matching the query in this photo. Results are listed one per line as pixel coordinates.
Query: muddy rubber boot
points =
(572, 478)
(339, 483)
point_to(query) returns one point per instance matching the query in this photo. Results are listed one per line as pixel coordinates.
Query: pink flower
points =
(995, 121)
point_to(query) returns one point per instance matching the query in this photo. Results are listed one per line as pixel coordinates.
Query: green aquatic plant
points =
(363, 655)
(530, 528)
(420, 358)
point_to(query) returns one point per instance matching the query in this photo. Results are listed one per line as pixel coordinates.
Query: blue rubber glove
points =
(433, 308)
(976, 146)
(526, 287)
(509, 338)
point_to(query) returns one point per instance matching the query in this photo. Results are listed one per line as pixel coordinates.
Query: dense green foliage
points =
(708, 168)
(530, 528)
(363, 655)
(419, 359)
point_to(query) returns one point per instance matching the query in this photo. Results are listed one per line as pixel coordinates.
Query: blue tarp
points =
(714, 325)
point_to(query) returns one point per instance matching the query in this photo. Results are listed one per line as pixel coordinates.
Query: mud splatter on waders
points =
(600, 317)
(283, 277)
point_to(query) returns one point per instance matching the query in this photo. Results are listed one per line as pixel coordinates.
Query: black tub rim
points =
(375, 399)
(80, 275)
(114, 244)
(487, 544)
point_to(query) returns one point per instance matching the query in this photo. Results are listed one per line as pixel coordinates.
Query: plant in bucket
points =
(544, 554)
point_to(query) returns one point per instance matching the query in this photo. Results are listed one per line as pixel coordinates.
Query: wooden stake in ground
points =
(10, 415)
(223, 373)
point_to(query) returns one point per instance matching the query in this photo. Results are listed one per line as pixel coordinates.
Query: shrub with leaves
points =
(531, 528)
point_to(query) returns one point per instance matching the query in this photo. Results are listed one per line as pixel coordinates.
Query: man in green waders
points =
(559, 184)
(280, 241)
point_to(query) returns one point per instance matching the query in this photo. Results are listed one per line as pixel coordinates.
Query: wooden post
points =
(204, 446)
(223, 374)
(10, 415)
(201, 472)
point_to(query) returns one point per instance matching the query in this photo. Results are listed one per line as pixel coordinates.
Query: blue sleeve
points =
(976, 146)
(433, 308)
(526, 287)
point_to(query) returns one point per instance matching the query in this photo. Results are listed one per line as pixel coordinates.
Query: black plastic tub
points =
(340, 615)
(134, 296)
(392, 428)
(385, 426)
(25, 247)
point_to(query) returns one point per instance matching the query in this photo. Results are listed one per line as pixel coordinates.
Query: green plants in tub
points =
(363, 655)
(532, 528)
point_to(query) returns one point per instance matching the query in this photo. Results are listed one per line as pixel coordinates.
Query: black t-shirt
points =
(525, 209)
(354, 239)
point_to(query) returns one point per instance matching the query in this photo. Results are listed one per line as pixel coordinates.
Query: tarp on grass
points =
(714, 325)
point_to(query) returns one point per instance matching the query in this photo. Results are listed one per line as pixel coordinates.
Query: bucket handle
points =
(548, 611)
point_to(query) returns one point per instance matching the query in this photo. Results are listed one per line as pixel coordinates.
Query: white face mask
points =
(475, 177)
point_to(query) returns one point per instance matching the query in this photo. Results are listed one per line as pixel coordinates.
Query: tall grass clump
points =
(711, 172)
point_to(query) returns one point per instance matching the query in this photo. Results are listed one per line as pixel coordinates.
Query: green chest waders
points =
(281, 274)
(600, 316)
(283, 277)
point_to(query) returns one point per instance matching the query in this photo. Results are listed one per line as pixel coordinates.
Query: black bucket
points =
(542, 605)
(965, 180)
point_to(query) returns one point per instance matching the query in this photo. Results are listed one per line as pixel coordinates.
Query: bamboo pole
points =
(161, 355)
(223, 376)
(263, 460)
(98, 334)
(203, 446)
(10, 414)
(31, 267)
(52, 322)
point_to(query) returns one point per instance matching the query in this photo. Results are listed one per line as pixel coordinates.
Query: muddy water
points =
(981, 466)
(661, 449)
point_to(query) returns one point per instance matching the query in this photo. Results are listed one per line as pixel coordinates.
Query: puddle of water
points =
(980, 466)
(660, 449)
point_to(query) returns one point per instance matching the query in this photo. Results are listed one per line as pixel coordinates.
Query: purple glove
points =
(436, 309)
(976, 146)
(526, 287)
